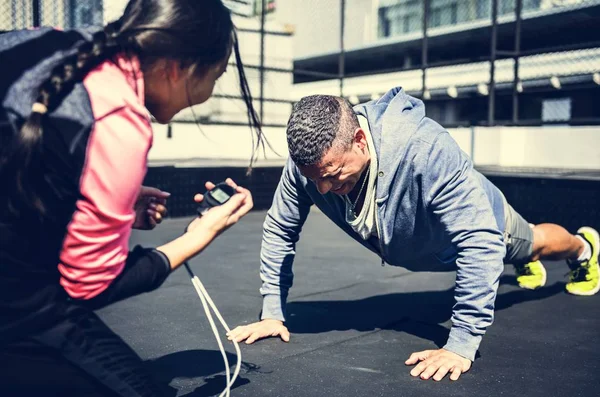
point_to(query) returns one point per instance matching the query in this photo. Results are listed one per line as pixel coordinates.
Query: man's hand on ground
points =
(438, 363)
(263, 329)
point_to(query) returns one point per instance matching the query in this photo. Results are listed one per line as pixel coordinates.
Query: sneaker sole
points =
(596, 237)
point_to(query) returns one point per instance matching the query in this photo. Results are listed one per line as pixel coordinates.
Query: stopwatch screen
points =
(219, 195)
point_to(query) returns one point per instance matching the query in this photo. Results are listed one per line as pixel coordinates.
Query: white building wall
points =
(191, 145)
(545, 147)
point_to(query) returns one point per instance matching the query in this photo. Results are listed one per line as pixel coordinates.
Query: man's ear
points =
(360, 138)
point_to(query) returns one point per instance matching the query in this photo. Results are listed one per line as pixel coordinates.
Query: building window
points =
(400, 17)
(482, 9)
(556, 110)
(531, 5)
(443, 13)
(506, 7)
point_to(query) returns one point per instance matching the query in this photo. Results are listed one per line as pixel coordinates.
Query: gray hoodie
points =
(430, 201)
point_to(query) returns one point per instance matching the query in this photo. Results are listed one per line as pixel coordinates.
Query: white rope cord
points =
(206, 302)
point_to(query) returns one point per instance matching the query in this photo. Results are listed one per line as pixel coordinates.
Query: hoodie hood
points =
(393, 119)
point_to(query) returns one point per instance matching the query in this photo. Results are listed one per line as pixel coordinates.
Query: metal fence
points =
(225, 107)
(474, 62)
(20, 14)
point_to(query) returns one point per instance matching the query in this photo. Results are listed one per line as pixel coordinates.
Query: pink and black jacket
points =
(94, 159)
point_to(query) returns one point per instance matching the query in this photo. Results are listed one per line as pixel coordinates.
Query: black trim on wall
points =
(571, 203)
(184, 183)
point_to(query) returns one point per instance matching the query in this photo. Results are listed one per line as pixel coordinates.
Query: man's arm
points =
(281, 232)
(463, 208)
(454, 195)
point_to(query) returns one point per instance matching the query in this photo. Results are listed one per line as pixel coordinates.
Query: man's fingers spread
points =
(429, 371)
(253, 338)
(413, 359)
(243, 336)
(441, 372)
(455, 373)
(430, 363)
(235, 332)
(240, 329)
(416, 371)
(418, 356)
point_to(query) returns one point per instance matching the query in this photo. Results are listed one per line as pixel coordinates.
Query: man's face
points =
(339, 170)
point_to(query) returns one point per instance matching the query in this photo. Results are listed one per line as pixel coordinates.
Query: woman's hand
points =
(219, 219)
(150, 208)
(203, 230)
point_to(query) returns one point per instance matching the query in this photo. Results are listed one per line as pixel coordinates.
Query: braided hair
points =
(25, 152)
(199, 34)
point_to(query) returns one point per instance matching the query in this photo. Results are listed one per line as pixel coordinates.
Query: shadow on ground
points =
(418, 313)
(421, 314)
(192, 365)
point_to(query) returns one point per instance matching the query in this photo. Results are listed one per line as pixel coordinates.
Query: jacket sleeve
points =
(281, 232)
(95, 256)
(454, 195)
(145, 270)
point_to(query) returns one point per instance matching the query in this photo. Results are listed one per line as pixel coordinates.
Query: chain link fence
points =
(528, 62)
(474, 62)
(269, 77)
(64, 14)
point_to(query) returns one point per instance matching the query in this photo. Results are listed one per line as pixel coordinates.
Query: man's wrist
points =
(463, 343)
(273, 308)
(272, 319)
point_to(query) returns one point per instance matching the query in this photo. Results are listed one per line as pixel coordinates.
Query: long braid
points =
(26, 147)
(74, 70)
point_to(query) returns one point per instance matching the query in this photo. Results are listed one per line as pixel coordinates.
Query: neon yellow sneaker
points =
(584, 275)
(531, 275)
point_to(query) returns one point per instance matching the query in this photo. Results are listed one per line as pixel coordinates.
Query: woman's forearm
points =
(186, 247)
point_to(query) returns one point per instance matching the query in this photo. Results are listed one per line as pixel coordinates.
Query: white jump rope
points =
(206, 302)
(215, 197)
